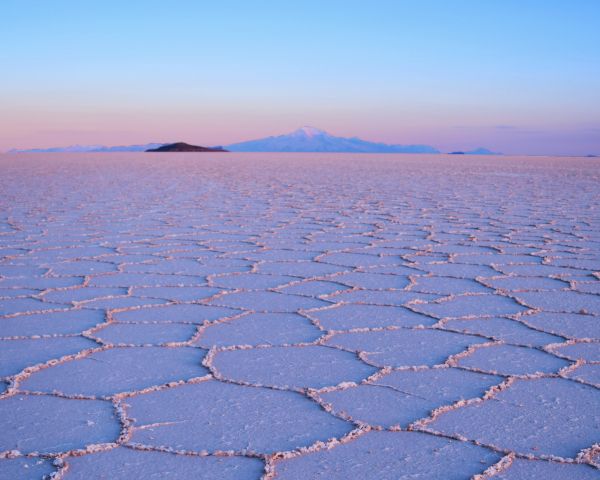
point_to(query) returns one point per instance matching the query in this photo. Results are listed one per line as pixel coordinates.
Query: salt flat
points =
(299, 316)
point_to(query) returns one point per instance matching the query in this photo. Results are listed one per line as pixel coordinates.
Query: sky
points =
(516, 76)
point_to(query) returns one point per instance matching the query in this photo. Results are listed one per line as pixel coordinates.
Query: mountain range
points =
(311, 139)
(305, 139)
(91, 148)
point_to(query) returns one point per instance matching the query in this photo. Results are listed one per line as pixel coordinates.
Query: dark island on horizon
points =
(184, 147)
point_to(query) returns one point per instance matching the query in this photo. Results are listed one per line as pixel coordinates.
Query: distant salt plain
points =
(299, 316)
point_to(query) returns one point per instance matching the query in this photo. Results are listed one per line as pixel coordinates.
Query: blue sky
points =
(515, 76)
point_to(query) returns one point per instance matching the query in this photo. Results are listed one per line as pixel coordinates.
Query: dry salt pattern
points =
(299, 316)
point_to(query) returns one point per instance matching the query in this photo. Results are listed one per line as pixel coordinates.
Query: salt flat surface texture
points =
(299, 316)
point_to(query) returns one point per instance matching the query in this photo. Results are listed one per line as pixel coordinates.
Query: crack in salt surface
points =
(450, 257)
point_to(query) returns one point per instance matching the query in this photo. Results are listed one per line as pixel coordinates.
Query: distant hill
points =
(91, 148)
(476, 151)
(184, 147)
(481, 151)
(310, 139)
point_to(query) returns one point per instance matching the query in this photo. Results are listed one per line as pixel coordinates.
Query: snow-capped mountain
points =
(308, 132)
(311, 139)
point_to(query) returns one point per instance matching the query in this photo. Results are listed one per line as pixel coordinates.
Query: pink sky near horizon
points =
(512, 76)
(35, 129)
(43, 120)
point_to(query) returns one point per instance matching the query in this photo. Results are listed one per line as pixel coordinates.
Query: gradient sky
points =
(517, 76)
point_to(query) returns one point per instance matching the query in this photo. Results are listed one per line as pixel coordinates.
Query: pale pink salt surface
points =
(260, 314)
